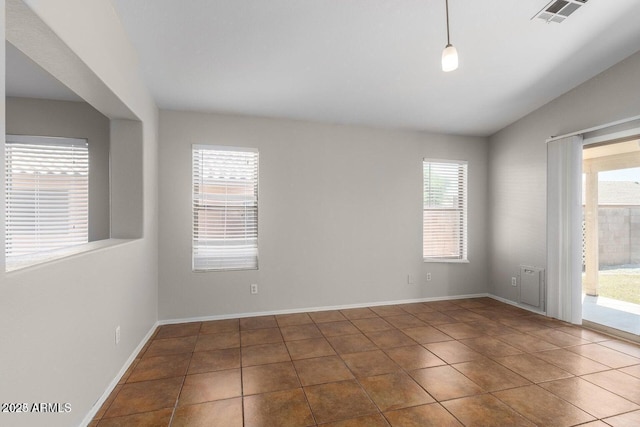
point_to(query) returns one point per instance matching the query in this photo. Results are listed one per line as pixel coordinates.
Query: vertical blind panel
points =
(444, 210)
(47, 196)
(225, 209)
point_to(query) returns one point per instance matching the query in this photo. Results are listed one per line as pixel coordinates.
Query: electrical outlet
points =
(514, 281)
(411, 280)
(117, 335)
(428, 277)
(254, 288)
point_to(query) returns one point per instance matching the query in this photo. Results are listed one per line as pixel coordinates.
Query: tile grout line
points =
(304, 391)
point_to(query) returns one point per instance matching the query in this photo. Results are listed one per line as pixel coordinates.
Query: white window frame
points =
(219, 240)
(48, 235)
(457, 191)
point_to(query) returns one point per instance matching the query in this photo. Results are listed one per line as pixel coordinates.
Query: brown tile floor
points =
(472, 362)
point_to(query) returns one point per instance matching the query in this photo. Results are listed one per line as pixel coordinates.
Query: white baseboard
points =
(112, 385)
(313, 309)
(515, 304)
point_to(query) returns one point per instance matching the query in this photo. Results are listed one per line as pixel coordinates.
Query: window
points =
(47, 197)
(444, 231)
(225, 208)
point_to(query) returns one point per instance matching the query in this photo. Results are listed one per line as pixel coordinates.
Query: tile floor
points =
(471, 362)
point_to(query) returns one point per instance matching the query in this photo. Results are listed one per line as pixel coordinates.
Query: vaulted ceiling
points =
(373, 62)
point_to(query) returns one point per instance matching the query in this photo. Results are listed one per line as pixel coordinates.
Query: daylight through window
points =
(47, 196)
(445, 210)
(225, 208)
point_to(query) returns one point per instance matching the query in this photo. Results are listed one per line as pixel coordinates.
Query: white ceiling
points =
(373, 62)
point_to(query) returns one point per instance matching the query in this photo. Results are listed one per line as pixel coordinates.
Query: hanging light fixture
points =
(449, 54)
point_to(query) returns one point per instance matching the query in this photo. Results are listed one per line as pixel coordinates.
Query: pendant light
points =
(449, 54)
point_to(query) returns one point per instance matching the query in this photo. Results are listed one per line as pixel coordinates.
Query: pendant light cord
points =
(447, 7)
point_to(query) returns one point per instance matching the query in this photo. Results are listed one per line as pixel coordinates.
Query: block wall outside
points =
(619, 235)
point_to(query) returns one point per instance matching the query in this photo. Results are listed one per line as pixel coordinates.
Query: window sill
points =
(41, 259)
(446, 261)
(222, 270)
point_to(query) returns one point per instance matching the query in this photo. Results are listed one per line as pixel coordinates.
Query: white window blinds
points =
(47, 196)
(225, 208)
(445, 210)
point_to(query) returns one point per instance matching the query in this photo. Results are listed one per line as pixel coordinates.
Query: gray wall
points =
(340, 216)
(40, 117)
(518, 162)
(57, 320)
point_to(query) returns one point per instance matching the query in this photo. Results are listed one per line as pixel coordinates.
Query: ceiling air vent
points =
(559, 10)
